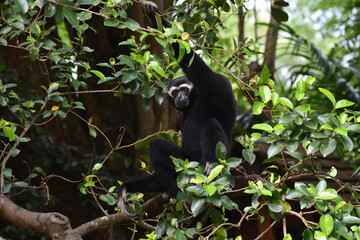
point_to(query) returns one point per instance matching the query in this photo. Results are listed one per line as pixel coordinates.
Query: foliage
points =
(320, 134)
(294, 126)
(304, 134)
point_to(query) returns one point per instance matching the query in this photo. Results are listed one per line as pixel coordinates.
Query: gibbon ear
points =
(166, 89)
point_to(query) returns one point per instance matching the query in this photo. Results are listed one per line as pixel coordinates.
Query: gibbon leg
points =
(160, 152)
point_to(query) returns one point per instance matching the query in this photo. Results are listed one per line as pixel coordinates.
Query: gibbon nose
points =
(181, 100)
(182, 97)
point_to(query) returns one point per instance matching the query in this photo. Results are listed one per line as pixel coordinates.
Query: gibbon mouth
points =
(181, 104)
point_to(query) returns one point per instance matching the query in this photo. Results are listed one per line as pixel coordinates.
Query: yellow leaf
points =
(184, 36)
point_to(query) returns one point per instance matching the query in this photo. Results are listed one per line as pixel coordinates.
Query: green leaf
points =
(14, 151)
(328, 94)
(109, 199)
(111, 22)
(22, 5)
(179, 234)
(292, 146)
(309, 81)
(187, 46)
(275, 148)
(70, 15)
(320, 235)
(21, 184)
(263, 126)
(326, 224)
(97, 166)
(265, 75)
(272, 159)
(265, 93)
(227, 203)
(292, 194)
(350, 220)
(92, 132)
(233, 162)
(347, 142)
(304, 108)
(210, 189)
(220, 151)
(198, 206)
(190, 232)
(341, 131)
(328, 194)
(215, 172)
(326, 127)
(155, 66)
(328, 146)
(245, 67)
(7, 172)
(320, 187)
(286, 102)
(84, 16)
(221, 233)
(300, 90)
(343, 103)
(274, 98)
(307, 235)
(99, 74)
(89, 184)
(312, 190)
(313, 147)
(258, 108)
(215, 199)
(9, 133)
(354, 128)
(287, 237)
(249, 156)
(132, 24)
(255, 136)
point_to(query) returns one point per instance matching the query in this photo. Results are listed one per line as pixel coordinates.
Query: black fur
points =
(208, 119)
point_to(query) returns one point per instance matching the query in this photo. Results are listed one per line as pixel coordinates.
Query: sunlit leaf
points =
(265, 93)
(198, 206)
(326, 224)
(328, 146)
(265, 75)
(97, 166)
(214, 173)
(343, 103)
(328, 194)
(263, 126)
(249, 156)
(22, 5)
(275, 148)
(9, 133)
(328, 94)
(220, 151)
(210, 189)
(258, 108)
(99, 74)
(286, 102)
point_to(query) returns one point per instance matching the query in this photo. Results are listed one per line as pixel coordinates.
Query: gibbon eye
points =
(174, 92)
(186, 90)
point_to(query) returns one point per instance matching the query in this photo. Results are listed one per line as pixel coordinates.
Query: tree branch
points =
(54, 225)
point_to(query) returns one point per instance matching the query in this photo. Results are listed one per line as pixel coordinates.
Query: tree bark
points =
(270, 47)
(54, 225)
(57, 226)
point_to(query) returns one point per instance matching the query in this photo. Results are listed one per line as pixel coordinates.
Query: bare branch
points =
(54, 225)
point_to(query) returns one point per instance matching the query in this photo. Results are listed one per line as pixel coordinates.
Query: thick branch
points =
(55, 225)
(101, 222)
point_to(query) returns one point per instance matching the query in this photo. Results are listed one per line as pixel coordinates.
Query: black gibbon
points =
(207, 102)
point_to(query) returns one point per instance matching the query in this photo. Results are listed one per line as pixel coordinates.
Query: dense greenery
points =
(54, 34)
